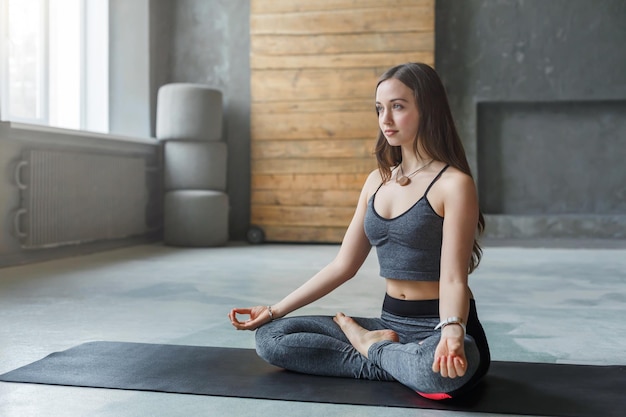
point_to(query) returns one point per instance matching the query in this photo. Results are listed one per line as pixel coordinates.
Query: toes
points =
(341, 319)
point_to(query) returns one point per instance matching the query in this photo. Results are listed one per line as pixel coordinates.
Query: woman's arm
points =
(459, 230)
(353, 251)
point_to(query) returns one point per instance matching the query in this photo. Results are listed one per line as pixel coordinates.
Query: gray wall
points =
(131, 115)
(507, 64)
(13, 144)
(153, 42)
(538, 89)
(533, 84)
(207, 42)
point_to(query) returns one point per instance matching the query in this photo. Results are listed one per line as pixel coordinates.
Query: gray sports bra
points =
(409, 245)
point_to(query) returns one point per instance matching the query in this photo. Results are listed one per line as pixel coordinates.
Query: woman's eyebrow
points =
(395, 99)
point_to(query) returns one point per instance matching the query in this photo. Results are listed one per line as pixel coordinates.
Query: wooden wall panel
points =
(276, 45)
(314, 66)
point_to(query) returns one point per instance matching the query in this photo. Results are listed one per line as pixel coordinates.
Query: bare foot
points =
(361, 338)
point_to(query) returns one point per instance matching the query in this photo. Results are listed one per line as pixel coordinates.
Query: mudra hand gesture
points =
(259, 315)
(450, 360)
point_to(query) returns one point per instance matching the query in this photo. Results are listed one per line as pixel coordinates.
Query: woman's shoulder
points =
(455, 183)
(372, 183)
(454, 177)
(374, 177)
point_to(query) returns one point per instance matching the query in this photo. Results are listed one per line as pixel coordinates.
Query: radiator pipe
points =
(18, 177)
(18, 215)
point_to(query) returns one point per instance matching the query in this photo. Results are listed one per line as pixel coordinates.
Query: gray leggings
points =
(316, 345)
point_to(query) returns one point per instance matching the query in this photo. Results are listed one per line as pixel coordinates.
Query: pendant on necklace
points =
(403, 181)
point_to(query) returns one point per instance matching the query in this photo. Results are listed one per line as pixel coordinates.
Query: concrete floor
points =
(537, 304)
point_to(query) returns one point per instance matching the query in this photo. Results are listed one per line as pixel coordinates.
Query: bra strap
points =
(435, 179)
(375, 192)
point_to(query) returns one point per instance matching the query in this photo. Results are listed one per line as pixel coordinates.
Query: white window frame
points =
(95, 74)
(3, 61)
(94, 105)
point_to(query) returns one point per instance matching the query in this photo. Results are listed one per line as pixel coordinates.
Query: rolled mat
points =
(509, 388)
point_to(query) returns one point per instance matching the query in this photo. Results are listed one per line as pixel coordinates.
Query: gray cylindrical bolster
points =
(189, 112)
(196, 218)
(195, 165)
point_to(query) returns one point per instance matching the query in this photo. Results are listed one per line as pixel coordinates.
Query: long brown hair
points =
(436, 131)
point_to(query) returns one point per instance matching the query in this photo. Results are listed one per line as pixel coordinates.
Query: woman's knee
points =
(438, 387)
(431, 384)
(266, 342)
(472, 355)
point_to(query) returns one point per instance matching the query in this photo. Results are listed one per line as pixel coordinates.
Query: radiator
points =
(71, 197)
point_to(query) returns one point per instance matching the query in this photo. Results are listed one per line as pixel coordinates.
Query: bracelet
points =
(452, 320)
(269, 310)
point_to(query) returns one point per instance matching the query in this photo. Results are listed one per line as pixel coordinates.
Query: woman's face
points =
(398, 116)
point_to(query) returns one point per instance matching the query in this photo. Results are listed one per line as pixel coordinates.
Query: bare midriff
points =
(412, 290)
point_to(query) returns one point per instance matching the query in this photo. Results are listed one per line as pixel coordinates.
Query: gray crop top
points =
(409, 245)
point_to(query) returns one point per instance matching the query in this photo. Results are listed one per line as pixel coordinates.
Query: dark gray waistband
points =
(415, 308)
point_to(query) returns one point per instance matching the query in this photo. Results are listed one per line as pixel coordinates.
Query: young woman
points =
(420, 211)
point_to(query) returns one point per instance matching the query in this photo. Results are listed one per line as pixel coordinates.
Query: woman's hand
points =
(259, 315)
(450, 360)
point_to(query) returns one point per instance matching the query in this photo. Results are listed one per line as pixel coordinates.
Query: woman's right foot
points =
(362, 339)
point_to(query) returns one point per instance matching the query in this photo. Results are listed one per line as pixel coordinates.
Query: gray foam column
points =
(189, 123)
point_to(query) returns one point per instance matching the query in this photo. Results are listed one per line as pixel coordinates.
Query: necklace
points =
(404, 180)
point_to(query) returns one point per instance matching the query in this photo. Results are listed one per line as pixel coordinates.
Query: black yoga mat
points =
(509, 388)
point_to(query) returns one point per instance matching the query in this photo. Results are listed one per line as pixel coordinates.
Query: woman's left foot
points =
(362, 338)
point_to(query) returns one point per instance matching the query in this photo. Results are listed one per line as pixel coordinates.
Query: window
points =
(54, 63)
